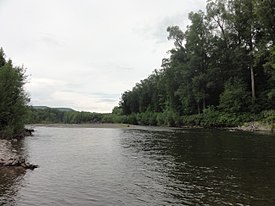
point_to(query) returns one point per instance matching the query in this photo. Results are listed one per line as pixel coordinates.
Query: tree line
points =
(52, 115)
(13, 98)
(222, 67)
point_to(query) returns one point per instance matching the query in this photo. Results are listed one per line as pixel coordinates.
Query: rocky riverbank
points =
(257, 126)
(9, 158)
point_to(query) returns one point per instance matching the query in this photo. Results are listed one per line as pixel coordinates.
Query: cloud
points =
(50, 40)
(159, 31)
(65, 94)
(84, 102)
(84, 54)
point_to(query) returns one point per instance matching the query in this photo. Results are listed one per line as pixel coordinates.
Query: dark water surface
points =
(96, 166)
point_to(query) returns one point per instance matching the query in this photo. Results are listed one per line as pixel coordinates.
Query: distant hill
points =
(40, 107)
(62, 109)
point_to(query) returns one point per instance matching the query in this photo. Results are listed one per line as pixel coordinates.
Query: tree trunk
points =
(199, 111)
(252, 84)
(204, 103)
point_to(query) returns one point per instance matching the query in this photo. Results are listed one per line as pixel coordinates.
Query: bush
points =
(235, 97)
(191, 120)
(160, 119)
(268, 116)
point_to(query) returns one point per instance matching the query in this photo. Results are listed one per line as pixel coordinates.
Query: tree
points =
(176, 34)
(13, 99)
(2, 57)
(234, 97)
(197, 42)
(244, 24)
(222, 53)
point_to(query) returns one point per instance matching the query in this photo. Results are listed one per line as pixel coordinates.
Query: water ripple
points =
(143, 167)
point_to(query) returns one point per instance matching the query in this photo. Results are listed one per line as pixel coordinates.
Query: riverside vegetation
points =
(13, 99)
(13, 107)
(220, 73)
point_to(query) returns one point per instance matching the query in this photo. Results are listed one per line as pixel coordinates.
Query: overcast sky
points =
(84, 54)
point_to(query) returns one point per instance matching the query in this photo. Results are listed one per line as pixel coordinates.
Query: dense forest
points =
(13, 99)
(220, 72)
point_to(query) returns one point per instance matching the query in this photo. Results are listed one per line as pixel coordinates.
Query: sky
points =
(84, 54)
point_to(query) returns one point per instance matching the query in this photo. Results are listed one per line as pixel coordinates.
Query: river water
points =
(146, 166)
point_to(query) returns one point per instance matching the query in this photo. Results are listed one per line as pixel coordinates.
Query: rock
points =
(23, 165)
(32, 167)
(10, 158)
(28, 132)
(29, 166)
(17, 162)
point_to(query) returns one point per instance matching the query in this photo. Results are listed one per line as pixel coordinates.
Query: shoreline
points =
(247, 127)
(106, 126)
(9, 157)
(257, 127)
(85, 125)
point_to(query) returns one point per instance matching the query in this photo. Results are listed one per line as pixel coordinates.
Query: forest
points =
(221, 70)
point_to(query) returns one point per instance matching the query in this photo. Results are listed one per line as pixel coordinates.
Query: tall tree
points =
(197, 42)
(244, 23)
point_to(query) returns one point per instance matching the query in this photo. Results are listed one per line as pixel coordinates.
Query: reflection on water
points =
(10, 178)
(209, 167)
(98, 166)
(10, 182)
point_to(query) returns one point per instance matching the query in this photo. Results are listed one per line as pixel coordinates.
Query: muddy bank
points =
(9, 157)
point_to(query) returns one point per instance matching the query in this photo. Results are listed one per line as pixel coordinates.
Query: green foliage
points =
(224, 60)
(214, 118)
(234, 97)
(13, 98)
(50, 115)
(268, 116)
(176, 34)
(117, 111)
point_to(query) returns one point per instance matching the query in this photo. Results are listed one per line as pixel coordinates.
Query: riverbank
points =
(84, 125)
(108, 126)
(9, 157)
(257, 126)
(248, 126)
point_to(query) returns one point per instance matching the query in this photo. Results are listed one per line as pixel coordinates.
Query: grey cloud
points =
(109, 66)
(50, 40)
(85, 54)
(105, 95)
(109, 100)
(160, 31)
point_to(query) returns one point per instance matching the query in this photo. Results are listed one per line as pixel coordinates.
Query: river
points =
(146, 166)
